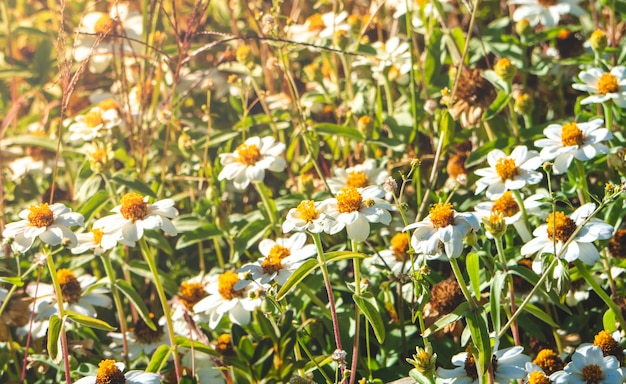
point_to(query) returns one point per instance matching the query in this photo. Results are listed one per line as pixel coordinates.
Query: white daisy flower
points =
(250, 160)
(355, 209)
(93, 240)
(535, 374)
(142, 340)
(224, 298)
(508, 172)
(359, 176)
(511, 211)
(565, 142)
(440, 235)
(561, 227)
(80, 294)
(393, 61)
(319, 27)
(95, 123)
(603, 86)
(509, 365)
(49, 223)
(589, 365)
(94, 25)
(307, 216)
(111, 372)
(280, 259)
(133, 216)
(546, 13)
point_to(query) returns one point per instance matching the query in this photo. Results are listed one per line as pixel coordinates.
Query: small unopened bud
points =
(471, 238)
(306, 184)
(505, 69)
(424, 360)
(244, 55)
(339, 356)
(364, 125)
(523, 104)
(598, 41)
(268, 23)
(495, 224)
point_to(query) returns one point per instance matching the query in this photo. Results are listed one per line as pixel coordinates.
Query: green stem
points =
(59, 294)
(513, 118)
(331, 298)
(149, 257)
(608, 115)
(357, 314)
(271, 212)
(520, 203)
(584, 272)
(461, 280)
(106, 261)
(583, 190)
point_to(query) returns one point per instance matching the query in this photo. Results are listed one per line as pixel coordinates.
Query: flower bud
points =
(523, 27)
(504, 69)
(523, 104)
(424, 360)
(598, 41)
(495, 224)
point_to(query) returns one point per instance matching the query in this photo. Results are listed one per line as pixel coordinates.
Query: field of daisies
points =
(347, 191)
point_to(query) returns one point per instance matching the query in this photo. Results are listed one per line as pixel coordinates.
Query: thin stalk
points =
(331, 298)
(357, 314)
(461, 280)
(108, 267)
(59, 294)
(583, 190)
(500, 249)
(271, 213)
(149, 257)
(520, 203)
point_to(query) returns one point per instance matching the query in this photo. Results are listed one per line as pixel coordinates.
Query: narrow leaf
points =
(89, 321)
(472, 264)
(495, 297)
(373, 316)
(305, 269)
(339, 130)
(159, 357)
(609, 321)
(480, 336)
(136, 300)
(134, 185)
(54, 331)
(450, 318)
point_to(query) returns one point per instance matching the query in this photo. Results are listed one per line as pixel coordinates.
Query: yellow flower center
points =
(107, 104)
(316, 23)
(40, 215)
(307, 211)
(549, 361)
(592, 374)
(547, 3)
(144, 334)
(349, 200)
(356, 179)
(538, 377)
(133, 207)
(571, 135)
(561, 225)
(109, 373)
(607, 83)
(226, 283)
(506, 205)
(104, 24)
(400, 245)
(190, 293)
(506, 168)
(470, 365)
(223, 344)
(609, 346)
(248, 154)
(93, 119)
(441, 215)
(70, 287)
(97, 235)
(272, 264)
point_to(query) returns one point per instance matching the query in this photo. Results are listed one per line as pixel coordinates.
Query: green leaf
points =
(33, 141)
(185, 342)
(303, 271)
(339, 130)
(540, 314)
(342, 255)
(89, 321)
(17, 281)
(201, 233)
(373, 316)
(498, 105)
(159, 358)
(136, 300)
(134, 185)
(54, 331)
(480, 336)
(609, 321)
(472, 263)
(94, 203)
(497, 284)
